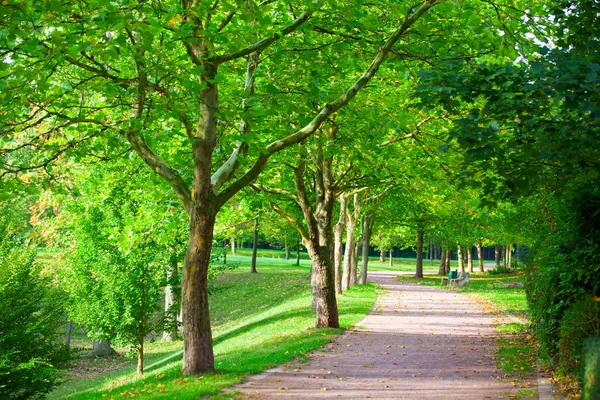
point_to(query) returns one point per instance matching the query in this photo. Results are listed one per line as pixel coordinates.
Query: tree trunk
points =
(140, 357)
(198, 356)
(338, 245)
(461, 263)
(314, 289)
(349, 255)
(298, 252)
(497, 256)
(171, 309)
(391, 257)
(233, 245)
(442, 268)
(68, 328)
(448, 258)
(350, 258)
(419, 269)
(324, 287)
(509, 256)
(254, 247)
(367, 226)
(470, 258)
(480, 255)
(287, 251)
(354, 265)
(103, 349)
(381, 256)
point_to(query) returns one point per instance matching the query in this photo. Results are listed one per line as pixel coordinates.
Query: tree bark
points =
(442, 268)
(461, 263)
(480, 255)
(381, 256)
(140, 356)
(448, 258)
(170, 303)
(497, 256)
(351, 219)
(354, 266)
(254, 247)
(470, 258)
(367, 227)
(68, 329)
(419, 268)
(338, 245)
(298, 252)
(391, 257)
(233, 245)
(287, 251)
(103, 349)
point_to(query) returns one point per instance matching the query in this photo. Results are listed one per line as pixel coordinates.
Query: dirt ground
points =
(417, 343)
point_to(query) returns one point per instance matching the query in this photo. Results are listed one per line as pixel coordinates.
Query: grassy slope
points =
(259, 320)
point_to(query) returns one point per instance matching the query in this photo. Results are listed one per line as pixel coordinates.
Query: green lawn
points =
(259, 321)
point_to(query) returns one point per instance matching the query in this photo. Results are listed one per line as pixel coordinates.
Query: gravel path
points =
(417, 343)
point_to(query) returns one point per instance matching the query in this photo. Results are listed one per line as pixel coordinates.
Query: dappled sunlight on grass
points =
(259, 321)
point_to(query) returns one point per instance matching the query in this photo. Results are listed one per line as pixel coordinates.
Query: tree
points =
(117, 262)
(30, 345)
(93, 82)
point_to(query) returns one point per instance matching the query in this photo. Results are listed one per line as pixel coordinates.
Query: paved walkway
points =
(417, 343)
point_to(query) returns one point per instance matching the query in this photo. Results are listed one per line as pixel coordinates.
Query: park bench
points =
(455, 278)
(461, 280)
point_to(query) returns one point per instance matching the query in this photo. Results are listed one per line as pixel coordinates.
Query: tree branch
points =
(264, 43)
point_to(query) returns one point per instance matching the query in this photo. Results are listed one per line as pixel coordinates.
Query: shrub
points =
(591, 378)
(31, 312)
(580, 321)
(501, 270)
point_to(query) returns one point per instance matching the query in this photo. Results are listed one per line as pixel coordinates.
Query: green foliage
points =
(31, 315)
(591, 379)
(580, 321)
(501, 270)
(259, 321)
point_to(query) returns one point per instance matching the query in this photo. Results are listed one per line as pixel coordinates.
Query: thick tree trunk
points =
(509, 256)
(381, 256)
(480, 255)
(461, 263)
(171, 310)
(497, 256)
(419, 268)
(470, 258)
(442, 268)
(324, 287)
(233, 245)
(338, 245)
(102, 348)
(254, 247)
(448, 258)
(287, 251)
(367, 226)
(391, 257)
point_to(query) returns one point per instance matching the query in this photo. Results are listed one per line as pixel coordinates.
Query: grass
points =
(259, 321)
(517, 349)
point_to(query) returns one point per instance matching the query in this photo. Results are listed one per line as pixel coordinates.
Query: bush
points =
(580, 321)
(591, 378)
(501, 270)
(31, 312)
